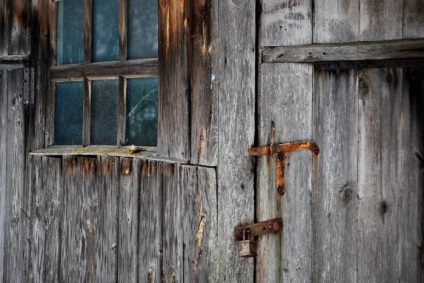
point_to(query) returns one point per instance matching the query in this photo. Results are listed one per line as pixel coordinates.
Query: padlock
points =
(247, 247)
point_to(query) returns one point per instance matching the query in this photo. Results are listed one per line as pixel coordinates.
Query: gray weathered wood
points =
(4, 22)
(174, 89)
(3, 163)
(335, 177)
(128, 209)
(235, 76)
(410, 133)
(149, 241)
(286, 22)
(403, 49)
(380, 20)
(204, 102)
(413, 19)
(16, 262)
(286, 99)
(142, 67)
(47, 215)
(336, 21)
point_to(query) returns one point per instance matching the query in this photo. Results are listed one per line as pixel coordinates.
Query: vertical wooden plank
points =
(175, 180)
(4, 27)
(286, 98)
(380, 193)
(128, 220)
(336, 21)
(235, 76)
(77, 232)
(202, 227)
(17, 199)
(106, 235)
(3, 163)
(380, 20)
(150, 221)
(47, 208)
(123, 14)
(173, 122)
(122, 111)
(285, 22)
(413, 20)
(86, 132)
(20, 28)
(88, 31)
(204, 102)
(40, 60)
(410, 152)
(335, 177)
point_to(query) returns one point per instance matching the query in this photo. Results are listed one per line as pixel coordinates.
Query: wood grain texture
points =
(20, 28)
(204, 102)
(380, 20)
(336, 21)
(16, 262)
(235, 75)
(413, 20)
(410, 133)
(335, 185)
(174, 90)
(47, 210)
(3, 164)
(150, 221)
(405, 49)
(4, 22)
(286, 22)
(285, 98)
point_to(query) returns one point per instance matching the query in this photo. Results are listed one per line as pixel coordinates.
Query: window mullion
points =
(88, 30)
(122, 103)
(86, 135)
(123, 14)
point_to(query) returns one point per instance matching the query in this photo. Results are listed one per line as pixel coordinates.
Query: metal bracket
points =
(259, 229)
(281, 150)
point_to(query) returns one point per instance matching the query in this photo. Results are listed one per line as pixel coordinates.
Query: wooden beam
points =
(134, 68)
(88, 30)
(123, 15)
(402, 49)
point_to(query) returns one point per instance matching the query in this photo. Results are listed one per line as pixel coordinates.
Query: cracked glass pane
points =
(142, 112)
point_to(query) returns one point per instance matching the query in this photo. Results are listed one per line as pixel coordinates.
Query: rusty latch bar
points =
(281, 150)
(259, 229)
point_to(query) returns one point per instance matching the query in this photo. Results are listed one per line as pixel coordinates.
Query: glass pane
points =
(105, 30)
(142, 29)
(104, 105)
(142, 111)
(69, 113)
(70, 32)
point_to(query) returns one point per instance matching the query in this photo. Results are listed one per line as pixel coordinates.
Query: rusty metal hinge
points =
(281, 150)
(244, 235)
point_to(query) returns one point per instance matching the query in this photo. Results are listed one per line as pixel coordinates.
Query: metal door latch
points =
(281, 149)
(244, 235)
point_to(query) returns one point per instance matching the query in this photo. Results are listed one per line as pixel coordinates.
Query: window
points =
(104, 72)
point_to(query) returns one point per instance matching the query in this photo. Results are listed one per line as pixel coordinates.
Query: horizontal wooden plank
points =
(402, 49)
(133, 68)
(14, 59)
(147, 153)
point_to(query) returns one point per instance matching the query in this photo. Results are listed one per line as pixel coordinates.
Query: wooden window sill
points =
(146, 153)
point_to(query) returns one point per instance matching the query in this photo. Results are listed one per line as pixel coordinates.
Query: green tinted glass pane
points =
(105, 30)
(142, 111)
(70, 32)
(69, 113)
(104, 105)
(142, 29)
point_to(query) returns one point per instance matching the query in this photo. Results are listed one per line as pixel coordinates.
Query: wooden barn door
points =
(354, 212)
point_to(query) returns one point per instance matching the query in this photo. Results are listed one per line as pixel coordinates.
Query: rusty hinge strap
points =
(259, 229)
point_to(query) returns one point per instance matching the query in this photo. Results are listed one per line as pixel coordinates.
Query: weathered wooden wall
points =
(107, 219)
